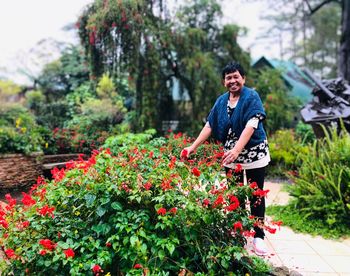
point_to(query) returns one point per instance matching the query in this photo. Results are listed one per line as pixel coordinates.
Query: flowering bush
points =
(140, 210)
(70, 140)
(19, 132)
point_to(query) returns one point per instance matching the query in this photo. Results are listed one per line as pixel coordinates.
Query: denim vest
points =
(249, 104)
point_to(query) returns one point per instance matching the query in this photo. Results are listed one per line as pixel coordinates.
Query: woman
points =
(236, 120)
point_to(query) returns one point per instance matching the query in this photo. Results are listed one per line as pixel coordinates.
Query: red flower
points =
(261, 193)
(206, 202)
(69, 253)
(238, 168)
(184, 154)
(4, 223)
(253, 185)
(270, 229)
(278, 223)
(172, 162)
(166, 185)
(234, 203)
(108, 244)
(40, 181)
(11, 201)
(10, 253)
(27, 200)
(219, 201)
(178, 135)
(41, 193)
(58, 174)
(42, 252)
(137, 266)
(48, 244)
(46, 210)
(196, 172)
(147, 186)
(161, 211)
(96, 268)
(173, 210)
(70, 165)
(25, 224)
(248, 233)
(238, 226)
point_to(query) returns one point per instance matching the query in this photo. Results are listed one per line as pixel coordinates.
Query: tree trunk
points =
(344, 49)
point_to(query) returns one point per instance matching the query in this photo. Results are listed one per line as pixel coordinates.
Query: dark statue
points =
(330, 104)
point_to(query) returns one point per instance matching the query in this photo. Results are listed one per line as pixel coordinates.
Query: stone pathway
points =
(304, 254)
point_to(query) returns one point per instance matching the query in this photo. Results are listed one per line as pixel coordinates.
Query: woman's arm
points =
(203, 135)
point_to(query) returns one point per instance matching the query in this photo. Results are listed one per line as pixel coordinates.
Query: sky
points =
(24, 23)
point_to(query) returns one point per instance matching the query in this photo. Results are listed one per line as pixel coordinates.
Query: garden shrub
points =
(19, 132)
(322, 185)
(285, 149)
(305, 133)
(133, 210)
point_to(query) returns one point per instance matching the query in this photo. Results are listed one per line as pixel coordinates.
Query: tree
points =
(138, 40)
(280, 106)
(63, 75)
(302, 11)
(129, 39)
(322, 45)
(203, 47)
(344, 50)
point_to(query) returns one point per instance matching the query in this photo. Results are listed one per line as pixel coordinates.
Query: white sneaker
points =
(260, 247)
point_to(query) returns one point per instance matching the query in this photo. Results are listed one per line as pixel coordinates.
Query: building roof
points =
(296, 80)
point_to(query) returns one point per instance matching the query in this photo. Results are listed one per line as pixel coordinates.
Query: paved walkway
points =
(302, 253)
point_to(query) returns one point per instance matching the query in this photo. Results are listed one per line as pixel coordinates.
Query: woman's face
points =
(234, 82)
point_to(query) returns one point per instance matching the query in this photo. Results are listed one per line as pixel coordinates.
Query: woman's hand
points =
(185, 153)
(230, 156)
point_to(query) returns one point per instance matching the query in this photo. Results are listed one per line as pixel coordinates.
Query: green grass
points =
(296, 221)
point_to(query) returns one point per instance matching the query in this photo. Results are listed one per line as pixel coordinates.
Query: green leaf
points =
(238, 256)
(133, 240)
(161, 254)
(224, 263)
(117, 206)
(100, 211)
(105, 200)
(101, 228)
(144, 248)
(63, 245)
(90, 199)
(170, 247)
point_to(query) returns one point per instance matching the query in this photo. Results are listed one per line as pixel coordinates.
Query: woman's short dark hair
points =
(233, 66)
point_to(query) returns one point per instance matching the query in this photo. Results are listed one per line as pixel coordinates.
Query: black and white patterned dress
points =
(254, 157)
